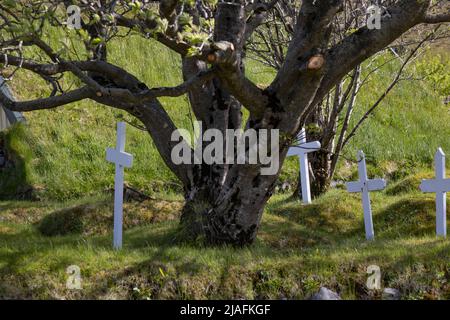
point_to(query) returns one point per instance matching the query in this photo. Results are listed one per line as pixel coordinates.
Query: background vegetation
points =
(61, 152)
(60, 156)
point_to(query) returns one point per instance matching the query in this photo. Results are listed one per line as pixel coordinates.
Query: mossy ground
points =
(299, 248)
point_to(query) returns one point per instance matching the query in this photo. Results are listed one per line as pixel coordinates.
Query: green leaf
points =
(84, 34)
(192, 52)
(96, 41)
(185, 19)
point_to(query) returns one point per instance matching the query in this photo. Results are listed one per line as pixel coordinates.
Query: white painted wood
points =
(365, 185)
(304, 148)
(4, 123)
(440, 186)
(372, 185)
(435, 185)
(7, 117)
(122, 160)
(376, 184)
(302, 151)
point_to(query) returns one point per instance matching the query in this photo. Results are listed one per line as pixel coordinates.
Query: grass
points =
(409, 125)
(60, 154)
(298, 249)
(59, 159)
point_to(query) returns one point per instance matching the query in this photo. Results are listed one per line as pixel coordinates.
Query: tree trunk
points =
(225, 203)
(232, 215)
(320, 164)
(320, 161)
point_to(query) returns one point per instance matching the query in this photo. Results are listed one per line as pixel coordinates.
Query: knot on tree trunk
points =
(316, 62)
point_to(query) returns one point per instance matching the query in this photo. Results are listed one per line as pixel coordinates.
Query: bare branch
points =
(179, 90)
(437, 18)
(47, 103)
(394, 82)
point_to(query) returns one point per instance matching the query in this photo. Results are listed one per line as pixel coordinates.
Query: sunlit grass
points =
(299, 248)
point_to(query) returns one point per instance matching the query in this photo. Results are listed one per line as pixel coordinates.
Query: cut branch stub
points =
(211, 57)
(316, 62)
(222, 52)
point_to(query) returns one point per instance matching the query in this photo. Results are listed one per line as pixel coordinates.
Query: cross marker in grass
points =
(365, 185)
(122, 160)
(440, 186)
(302, 151)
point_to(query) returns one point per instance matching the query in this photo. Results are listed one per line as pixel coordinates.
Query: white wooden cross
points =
(122, 160)
(440, 186)
(302, 151)
(364, 185)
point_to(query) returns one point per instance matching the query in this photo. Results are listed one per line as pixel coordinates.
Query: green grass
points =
(60, 154)
(65, 148)
(409, 125)
(299, 248)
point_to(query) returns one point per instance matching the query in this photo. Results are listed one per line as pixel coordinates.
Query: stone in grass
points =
(390, 294)
(325, 294)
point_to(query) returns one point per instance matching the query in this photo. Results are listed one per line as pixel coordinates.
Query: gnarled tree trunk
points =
(231, 216)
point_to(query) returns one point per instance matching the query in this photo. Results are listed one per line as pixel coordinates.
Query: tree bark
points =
(225, 202)
(320, 164)
(233, 215)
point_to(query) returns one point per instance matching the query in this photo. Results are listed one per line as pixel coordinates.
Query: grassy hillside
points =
(299, 248)
(412, 122)
(61, 153)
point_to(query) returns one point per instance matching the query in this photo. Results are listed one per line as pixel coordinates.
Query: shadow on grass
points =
(179, 270)
(409, 217)
(96, 218)
(293, 239)
(166, 277)
(337, 217)
(14, 182)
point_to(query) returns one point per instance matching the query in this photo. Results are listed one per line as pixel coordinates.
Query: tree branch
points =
(177, 46)
(436, 18)
(303, 67)
(388, 90)
(258, 17)
(364, 43)
(199, 79)
(46, 103)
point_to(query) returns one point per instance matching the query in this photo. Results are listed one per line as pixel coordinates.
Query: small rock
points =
(285, 186)
(390, 294)
(325, 294)
(282, 297)
(337, 183)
